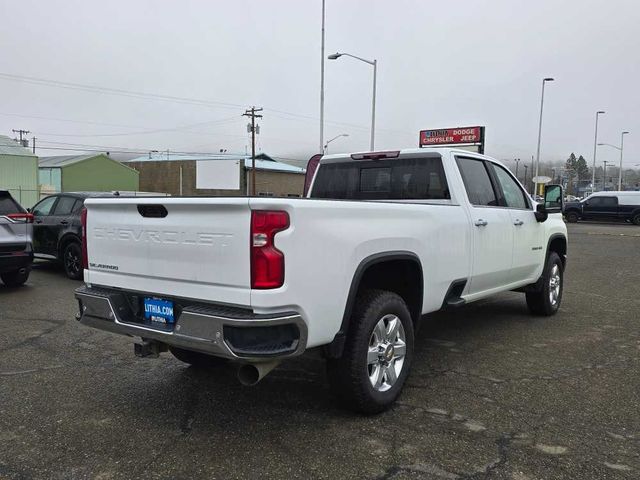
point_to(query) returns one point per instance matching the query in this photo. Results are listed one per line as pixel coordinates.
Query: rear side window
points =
(477, 182)
(64, 206)
(420, 178)
(8, 205)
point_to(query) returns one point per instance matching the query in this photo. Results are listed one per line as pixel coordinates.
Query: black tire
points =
(636, 219)
(196, 359)
(540, 302)
(72, 261)
(349, 374)
(572, 217)
(15, 278)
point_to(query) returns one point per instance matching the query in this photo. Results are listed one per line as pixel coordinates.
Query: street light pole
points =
(604, 176)
(517, 160)
(525, 177)
(621, 150)
(595, 149)
(322, 84)
(544, 80)
(374, 64)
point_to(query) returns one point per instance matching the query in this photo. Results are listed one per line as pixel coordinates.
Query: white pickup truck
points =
(381, 239)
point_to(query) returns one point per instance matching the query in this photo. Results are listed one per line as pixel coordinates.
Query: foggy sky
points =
(441, 64)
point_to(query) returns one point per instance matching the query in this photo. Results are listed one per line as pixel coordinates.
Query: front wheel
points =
(636, 219)
(371, 372)
(572, 217)
(16, 278)
(546, 301)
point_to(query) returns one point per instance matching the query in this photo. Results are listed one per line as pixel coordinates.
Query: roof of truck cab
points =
(408, 151)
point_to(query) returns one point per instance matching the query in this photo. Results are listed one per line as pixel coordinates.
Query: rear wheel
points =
(197, 359)
(572, 217)
(636, 219)
(371, 372)
(72, 261)
(546, 301)
(15, 278)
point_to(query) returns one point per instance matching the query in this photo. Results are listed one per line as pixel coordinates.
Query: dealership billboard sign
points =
(453, 136)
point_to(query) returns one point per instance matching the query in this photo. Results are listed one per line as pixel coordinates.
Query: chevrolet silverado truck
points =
(381, 239)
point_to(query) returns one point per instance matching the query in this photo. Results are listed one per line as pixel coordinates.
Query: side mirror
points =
(553, 199)
(553, 202)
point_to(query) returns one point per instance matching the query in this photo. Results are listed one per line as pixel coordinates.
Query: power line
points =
(172, 98)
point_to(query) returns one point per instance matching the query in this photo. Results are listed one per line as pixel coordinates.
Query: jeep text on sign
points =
(450, 136)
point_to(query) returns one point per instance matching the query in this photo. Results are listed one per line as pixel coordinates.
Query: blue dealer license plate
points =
(158, 310)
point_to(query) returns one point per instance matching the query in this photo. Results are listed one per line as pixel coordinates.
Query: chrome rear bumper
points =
(198, 327)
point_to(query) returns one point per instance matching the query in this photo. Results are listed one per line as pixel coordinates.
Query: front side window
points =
(511, 191)
(44, 207)
(418, 178)
(477, 182)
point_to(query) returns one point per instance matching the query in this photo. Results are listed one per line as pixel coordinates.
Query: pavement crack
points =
(31, 370)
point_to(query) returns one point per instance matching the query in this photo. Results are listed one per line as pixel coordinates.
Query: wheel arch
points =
(369, 274)
(65, 240)
(558, 243)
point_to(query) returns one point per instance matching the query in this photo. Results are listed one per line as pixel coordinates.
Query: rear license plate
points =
(158, 310)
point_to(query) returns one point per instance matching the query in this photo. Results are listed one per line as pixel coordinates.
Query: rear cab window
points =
(420, 177)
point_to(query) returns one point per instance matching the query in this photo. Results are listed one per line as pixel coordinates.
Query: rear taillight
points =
(21, 217)
(267, 262)
(85, 256)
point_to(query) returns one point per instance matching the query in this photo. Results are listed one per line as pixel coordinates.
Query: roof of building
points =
(60, 161)
(263, 161)
(64, 160)
(9, 146)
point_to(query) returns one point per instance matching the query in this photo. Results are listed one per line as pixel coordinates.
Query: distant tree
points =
(581, 168)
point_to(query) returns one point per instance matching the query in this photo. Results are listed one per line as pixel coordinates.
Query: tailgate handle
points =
(152, 211)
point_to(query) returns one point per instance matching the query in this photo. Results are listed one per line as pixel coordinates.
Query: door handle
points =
(518, 222)
(64, 222)
(480, 223)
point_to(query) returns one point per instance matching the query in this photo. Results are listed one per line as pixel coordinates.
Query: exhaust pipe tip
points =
(250, 374)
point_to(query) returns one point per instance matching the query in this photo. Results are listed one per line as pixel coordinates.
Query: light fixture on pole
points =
(326, 145)
(595, 149)
(544, 80)
(374, 64)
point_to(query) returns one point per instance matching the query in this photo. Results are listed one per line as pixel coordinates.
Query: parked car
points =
(606, 206)
(384, 238)
(57, 229)
(16, 251)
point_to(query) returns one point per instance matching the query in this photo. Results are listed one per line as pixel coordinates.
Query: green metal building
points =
(86, 173)
(18, 171)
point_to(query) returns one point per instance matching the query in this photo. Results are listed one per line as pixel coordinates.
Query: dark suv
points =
(57, 229)
(16, 252)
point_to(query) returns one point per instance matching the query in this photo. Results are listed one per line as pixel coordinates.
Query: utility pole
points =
(604, 175)
(517, 160)
(25, 133)
(33, 144)
(322, 84)
(251, 112)
(525, 177)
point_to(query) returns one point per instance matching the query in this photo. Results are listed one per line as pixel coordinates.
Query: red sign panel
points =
(449, 136)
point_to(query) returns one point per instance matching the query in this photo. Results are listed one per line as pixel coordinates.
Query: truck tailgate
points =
(179, 247)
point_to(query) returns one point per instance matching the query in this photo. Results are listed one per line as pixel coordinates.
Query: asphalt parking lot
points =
(493, 393)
